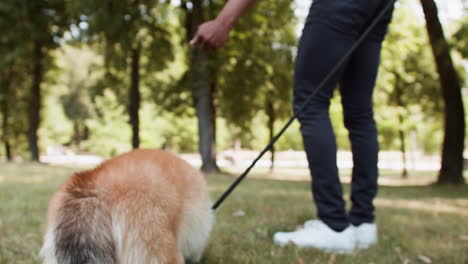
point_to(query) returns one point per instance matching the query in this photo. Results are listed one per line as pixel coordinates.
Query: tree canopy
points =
(106, 76)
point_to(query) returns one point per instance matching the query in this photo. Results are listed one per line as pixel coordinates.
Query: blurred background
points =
(83, 80)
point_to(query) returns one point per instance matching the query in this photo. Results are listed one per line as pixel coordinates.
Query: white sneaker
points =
(366, 235)
(318, 235)
(311, 223)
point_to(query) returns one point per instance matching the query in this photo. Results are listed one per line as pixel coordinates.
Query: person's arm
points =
(212, 34)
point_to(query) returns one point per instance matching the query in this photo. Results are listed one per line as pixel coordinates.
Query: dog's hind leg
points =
(168, 251)
(195, 230)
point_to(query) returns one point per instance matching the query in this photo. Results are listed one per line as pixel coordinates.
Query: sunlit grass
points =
(386, 176)
(413, 221)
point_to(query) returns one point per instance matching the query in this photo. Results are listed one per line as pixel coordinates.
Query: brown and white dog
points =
(142, 207)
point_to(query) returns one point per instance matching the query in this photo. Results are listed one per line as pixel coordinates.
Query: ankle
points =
(337, 227)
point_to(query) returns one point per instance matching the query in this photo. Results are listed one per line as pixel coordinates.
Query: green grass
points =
(413, 220)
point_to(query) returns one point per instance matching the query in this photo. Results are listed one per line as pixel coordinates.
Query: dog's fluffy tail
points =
(82, 233)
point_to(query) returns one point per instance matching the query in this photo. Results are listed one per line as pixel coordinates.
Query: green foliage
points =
(76, 78)
(30, 31)
(86, 81)
(461, 38)
(14, 81)
(336, 116)
(164, 129)
(407, 85)
(291, 139)
(110, 131)
(56, 129)
(255, 67)
(119, 27)
(38, 21)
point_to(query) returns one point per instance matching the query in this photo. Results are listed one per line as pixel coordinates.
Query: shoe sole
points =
(329, 250)
(365, 245)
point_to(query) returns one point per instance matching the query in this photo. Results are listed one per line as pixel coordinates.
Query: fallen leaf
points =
(261, 233)
(398, 251)
(239, 213)
(425, 259)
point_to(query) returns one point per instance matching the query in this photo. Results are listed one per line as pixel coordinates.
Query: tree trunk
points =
(271, 127)
(204, 98)
(135, 97)
(204, 108)
(77, 134)
(213, 90)
(454, 116)
(6, 115)
(86, 132)
(35, 101)
(401, 131)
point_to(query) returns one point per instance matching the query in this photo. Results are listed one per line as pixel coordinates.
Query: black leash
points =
(299, 111)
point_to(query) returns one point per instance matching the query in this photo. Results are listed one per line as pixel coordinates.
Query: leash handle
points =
(309, 98)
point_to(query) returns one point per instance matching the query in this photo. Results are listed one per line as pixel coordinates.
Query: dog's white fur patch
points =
(48, 249)
(131, 250)
(117, 233)
(195, 229)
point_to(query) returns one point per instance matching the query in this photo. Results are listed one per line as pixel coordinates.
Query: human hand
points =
(211, 35)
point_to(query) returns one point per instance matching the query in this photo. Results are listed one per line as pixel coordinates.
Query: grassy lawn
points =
(416, 223)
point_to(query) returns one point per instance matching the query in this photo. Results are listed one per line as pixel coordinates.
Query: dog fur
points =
(142, 207)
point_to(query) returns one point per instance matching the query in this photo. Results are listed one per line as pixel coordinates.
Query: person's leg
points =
(331, 29)
(356, 89)
(315, 59)
(329, 33)
(356, 86)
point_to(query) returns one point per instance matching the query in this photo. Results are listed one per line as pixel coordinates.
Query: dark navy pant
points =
(330, 30)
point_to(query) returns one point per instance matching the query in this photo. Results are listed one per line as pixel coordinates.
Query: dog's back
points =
(145, 206)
